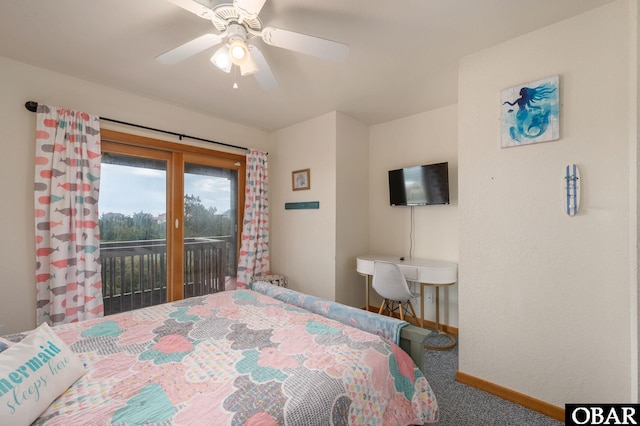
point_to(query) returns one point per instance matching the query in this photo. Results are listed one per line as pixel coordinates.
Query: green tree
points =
(199, 221)
(140, 226)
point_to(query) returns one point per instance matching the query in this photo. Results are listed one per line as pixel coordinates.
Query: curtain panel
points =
(254, 245)
(67, 176)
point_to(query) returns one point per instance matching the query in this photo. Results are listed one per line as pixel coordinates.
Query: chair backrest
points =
(389, 282)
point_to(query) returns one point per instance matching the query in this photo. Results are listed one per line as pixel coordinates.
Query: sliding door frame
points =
(176, 155)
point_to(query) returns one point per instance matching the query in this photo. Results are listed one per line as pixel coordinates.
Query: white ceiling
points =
(403, 53)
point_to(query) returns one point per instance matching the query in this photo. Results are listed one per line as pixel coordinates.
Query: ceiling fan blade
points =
(265, 76)
(302, 43)
(194, 7)
(190, 48)
(248, 9)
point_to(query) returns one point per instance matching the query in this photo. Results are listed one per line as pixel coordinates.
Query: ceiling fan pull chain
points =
(235, 77)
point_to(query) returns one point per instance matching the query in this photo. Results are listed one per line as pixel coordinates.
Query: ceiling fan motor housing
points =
(236, 31)
(226, 15)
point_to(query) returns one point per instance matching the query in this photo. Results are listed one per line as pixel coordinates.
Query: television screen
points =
(420, 185)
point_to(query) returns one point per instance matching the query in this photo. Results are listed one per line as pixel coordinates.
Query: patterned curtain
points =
(67, 176)
(254, 246)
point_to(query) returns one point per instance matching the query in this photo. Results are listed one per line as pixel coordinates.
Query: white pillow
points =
(33, 373)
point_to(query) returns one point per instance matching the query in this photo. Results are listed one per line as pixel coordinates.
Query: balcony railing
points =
(134, 273)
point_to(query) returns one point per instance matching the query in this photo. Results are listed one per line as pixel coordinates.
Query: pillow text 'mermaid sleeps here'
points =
(33, 373)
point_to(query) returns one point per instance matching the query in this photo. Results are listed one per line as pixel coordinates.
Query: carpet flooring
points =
(461, 405)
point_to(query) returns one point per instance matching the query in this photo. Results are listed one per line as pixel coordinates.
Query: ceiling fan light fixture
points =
(238, 52)
(221, 59)
(249, 67)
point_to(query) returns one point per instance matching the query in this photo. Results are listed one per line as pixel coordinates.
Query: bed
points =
(260, 356)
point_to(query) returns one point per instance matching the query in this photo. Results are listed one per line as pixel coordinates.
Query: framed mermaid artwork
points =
(530, 113)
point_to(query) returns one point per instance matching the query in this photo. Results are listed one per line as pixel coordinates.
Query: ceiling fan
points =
(238, 23)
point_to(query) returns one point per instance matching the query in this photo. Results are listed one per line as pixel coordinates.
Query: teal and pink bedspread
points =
(233, 358)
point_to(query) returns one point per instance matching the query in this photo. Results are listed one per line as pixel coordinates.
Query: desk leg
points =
(421, 305)
(366, 291)
(452, 339)
(438, 309)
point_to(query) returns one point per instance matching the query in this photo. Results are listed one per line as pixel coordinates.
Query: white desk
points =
(427, 272)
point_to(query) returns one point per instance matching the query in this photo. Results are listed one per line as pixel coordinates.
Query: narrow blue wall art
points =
(531, 112)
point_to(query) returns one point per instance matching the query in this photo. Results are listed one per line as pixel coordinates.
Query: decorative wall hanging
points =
(301, 179)
(302, 205)
(531, 112)
(571, 189)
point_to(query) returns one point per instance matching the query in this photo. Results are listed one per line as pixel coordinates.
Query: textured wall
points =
(545, 298)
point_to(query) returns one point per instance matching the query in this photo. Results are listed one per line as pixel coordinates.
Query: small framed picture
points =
(301, 179)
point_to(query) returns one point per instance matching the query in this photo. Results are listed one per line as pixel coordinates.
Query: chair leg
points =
(401, 312)
(413, 310)
(382, 307)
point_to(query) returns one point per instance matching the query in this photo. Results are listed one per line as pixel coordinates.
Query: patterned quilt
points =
(234, 358)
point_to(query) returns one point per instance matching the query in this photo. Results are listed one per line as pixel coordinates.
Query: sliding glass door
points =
(168, 222)
(210, 227)
(133, 230)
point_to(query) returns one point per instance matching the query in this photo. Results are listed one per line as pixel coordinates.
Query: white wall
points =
(20, 83)
(352, 213)
(303, 242)
(429, 137)
(316, 249)
(547, 301)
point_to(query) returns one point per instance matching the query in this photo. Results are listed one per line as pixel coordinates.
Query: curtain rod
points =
(33, 107)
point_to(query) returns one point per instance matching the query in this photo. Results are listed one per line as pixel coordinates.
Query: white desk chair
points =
(390, 284)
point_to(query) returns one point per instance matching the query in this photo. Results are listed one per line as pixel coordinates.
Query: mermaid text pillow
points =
(33, 373)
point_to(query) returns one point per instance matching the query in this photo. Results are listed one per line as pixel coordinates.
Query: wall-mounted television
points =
(419, 185)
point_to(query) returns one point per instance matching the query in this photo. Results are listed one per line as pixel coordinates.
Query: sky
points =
(130, 190)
